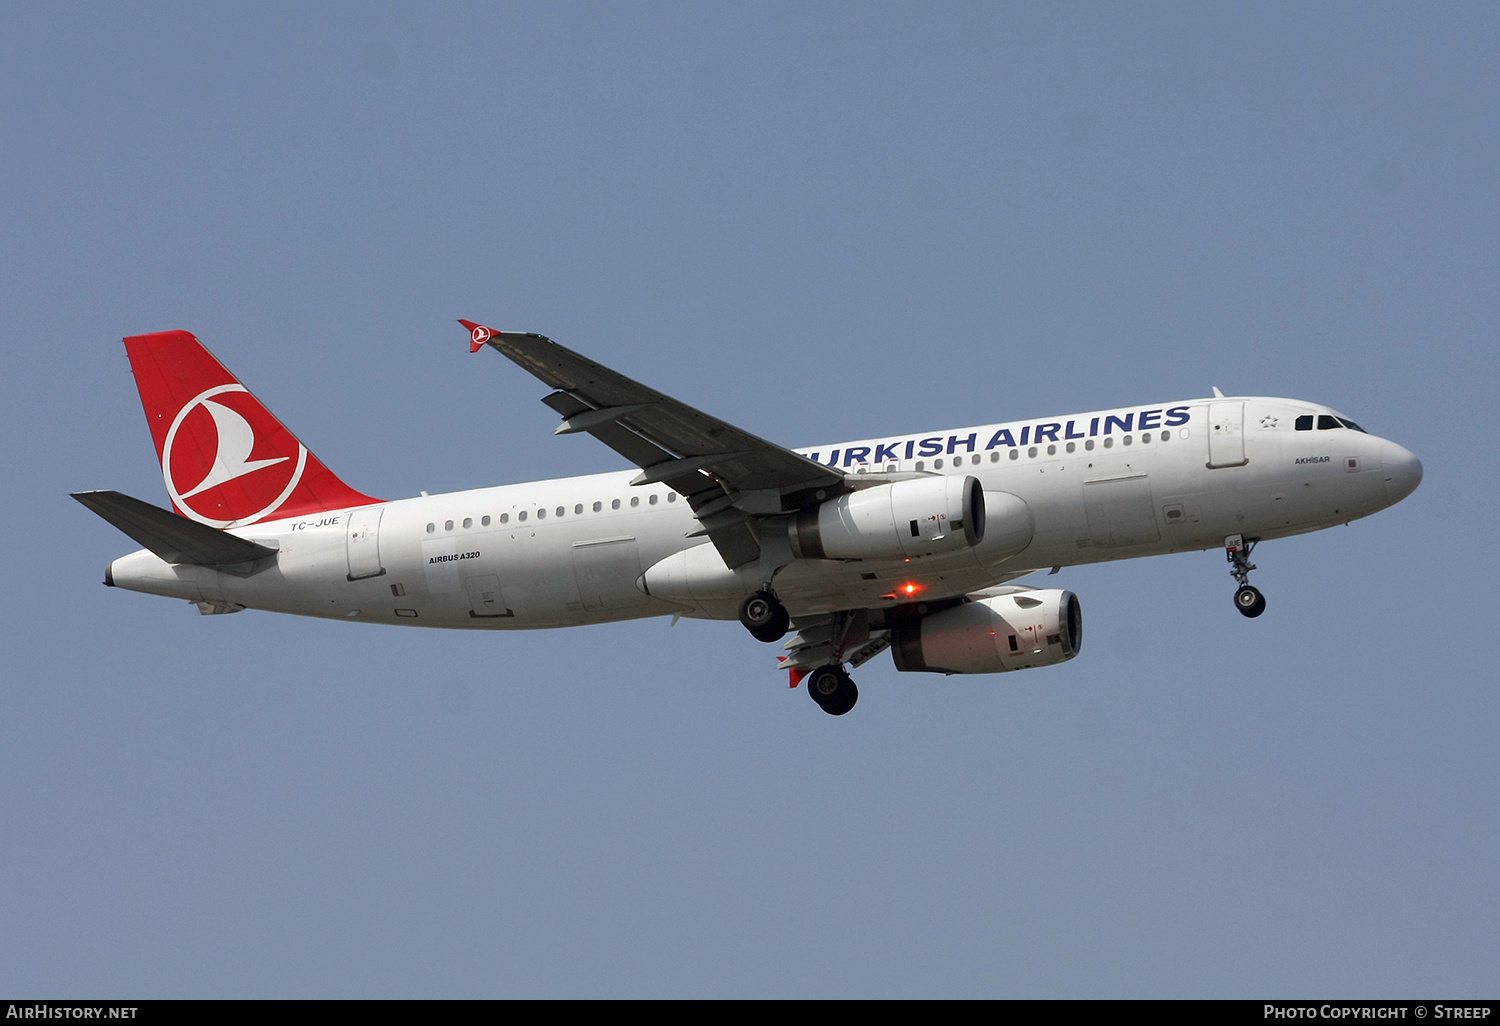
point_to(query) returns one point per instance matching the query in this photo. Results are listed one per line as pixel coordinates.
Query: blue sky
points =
(817, 221)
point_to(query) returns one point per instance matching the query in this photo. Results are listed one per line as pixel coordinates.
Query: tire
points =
(764, 617)
(832, 689)
(1249, 601)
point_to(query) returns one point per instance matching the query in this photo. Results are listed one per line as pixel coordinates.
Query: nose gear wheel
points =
(1250, 601)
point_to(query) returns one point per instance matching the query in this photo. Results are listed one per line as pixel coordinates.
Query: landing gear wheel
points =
(832, 689)
(1249, 601)
(764, 617)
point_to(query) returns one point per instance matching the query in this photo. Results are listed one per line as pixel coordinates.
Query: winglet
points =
(478, 334)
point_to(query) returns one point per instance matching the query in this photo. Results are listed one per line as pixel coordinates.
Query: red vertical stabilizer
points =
(225, 458)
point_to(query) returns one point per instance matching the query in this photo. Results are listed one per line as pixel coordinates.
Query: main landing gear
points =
(765, 617)
(1249, 601)
(832, 689)
(767, 620)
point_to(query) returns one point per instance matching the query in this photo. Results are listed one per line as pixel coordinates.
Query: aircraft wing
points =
(728, 476)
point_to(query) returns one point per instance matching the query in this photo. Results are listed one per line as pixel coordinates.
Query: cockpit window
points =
(1326, 422)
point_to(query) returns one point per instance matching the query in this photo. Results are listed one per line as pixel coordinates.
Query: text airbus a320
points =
(910, 542)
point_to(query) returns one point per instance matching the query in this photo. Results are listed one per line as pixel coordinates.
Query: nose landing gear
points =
(1248, 600)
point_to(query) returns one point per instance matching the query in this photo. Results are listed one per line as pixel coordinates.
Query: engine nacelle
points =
(992, 635)
(922, 517)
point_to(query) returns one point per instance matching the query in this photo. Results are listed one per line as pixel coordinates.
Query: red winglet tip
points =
(478, 334)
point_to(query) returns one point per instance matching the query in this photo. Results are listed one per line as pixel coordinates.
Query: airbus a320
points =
(911, 542)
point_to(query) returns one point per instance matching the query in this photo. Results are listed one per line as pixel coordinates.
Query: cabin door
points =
(363, 543)
(1226, 435)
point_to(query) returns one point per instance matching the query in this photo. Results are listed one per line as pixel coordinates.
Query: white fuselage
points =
(1115, 484)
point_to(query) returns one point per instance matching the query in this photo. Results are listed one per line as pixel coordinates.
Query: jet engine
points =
(991, 635)
(921, 517)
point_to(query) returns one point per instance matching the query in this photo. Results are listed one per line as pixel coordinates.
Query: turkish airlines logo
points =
(478, 337)
(224, 435)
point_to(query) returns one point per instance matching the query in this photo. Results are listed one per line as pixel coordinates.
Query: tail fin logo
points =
(215, 440)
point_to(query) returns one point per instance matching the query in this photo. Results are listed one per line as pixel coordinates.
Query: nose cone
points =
(1403, 472)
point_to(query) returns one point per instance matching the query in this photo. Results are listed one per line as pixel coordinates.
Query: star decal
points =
(1268, 421)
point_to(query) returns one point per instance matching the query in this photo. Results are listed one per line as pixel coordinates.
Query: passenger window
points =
(468, 522)
(615, 504)
(921, 465)
(1127, 439)
(484, 521)
(431, 528)
(598, 506)
(995, 456)
(541, 514)
(1031, 453)
(635, 500)
(653, 499)
(578, 508)
(561, 510)
(1146, 437)
(1051, 450)
(448, 525)
(521, 516)
(1072, 446)
(505, 518)
(1089, 445)
(671, 496)
(1015, 454)
(1109, 443)
(937, 464)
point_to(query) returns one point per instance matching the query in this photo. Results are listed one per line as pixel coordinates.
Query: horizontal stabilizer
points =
(174, 538)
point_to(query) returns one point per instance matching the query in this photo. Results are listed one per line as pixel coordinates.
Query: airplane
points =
(910, 542)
